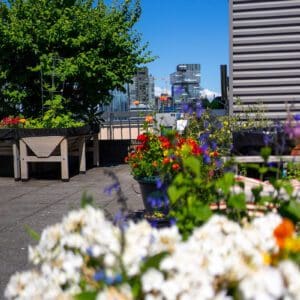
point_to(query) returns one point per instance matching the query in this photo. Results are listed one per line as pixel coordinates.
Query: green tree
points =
(79, 49)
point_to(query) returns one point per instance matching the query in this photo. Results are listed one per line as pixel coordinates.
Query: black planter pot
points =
(154, 199)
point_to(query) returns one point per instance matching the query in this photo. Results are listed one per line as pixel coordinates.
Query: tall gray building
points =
(142, 88)
(185, 83)
(265, 55)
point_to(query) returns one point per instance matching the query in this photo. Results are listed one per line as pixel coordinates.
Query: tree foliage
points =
(80, 49)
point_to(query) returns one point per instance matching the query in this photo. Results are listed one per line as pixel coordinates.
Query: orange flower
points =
(155, 164)
(163, 98)
(283, 231)
(149, 119)
(136, 102)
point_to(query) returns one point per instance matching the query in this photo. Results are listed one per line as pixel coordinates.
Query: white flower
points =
(31, 285)
(122, 293)
(291, 275)
(266, 283)
(152, 280)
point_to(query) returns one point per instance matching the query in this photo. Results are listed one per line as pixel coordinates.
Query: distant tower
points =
(185, 83)
(265, 55)
(142, 88)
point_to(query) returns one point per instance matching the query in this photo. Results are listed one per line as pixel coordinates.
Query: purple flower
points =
(219, 125)
(108, 190)
(297, 117)
(199, 112)
(172, 221)
(213, 145)
(219, 163)
(267, 139)
(185, 107)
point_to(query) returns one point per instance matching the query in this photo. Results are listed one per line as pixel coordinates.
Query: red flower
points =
(140, 147)
(175, 167)
(166, 160)
(142, 138)
(165, 143)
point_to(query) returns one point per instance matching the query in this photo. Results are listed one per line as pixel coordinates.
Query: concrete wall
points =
(265, 55)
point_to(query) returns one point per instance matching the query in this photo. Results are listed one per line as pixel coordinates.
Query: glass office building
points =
(185, 83)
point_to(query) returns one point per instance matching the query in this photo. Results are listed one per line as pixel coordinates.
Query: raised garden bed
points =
(49, 145)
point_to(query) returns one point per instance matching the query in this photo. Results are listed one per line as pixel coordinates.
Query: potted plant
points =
(157, 159)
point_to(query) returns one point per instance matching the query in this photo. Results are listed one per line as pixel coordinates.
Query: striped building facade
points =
(265, 56)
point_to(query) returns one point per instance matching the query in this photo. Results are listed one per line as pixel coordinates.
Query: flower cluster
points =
(220, 260)
(163, 155)
(292, 126)
(12, 122)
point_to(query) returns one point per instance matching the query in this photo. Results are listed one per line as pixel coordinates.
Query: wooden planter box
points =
(249, 142)
(9, 146)
(51, 145)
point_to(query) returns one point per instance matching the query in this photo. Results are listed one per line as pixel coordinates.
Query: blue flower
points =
(89, 252)
(159, 183)
(99, 276)
(206, 159)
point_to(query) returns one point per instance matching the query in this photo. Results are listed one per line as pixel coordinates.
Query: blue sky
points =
(186, 31)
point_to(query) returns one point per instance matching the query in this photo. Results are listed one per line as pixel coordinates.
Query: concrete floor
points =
(39, 203)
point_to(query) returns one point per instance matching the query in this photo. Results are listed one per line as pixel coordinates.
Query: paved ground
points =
(38, 203)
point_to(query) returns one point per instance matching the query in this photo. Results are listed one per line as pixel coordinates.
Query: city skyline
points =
(193, 32)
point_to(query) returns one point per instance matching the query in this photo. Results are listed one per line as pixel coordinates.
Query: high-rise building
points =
(265, 56)
(185, 83)
(142, 87)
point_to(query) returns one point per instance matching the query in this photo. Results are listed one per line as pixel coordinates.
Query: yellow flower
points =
(22, 121)
(292, 244)
(267, 259)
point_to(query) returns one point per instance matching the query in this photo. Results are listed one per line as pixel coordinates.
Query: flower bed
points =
(86, 255)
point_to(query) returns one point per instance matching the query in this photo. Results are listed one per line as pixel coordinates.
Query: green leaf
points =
(87, 295)
(153, 262)
(86, 200)
(202, 212)
(176, 193)
(256, 193)
(237, 201)
(265, 152)
(290, 210)
(32, 233)
(193, 164)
